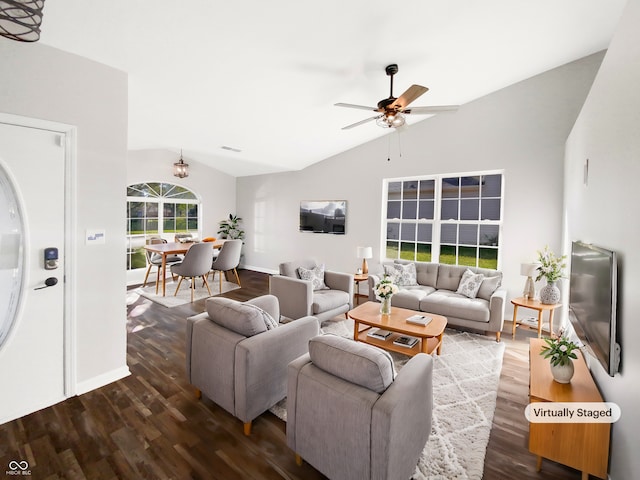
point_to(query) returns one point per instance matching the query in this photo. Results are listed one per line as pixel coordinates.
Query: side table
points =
(534, 305)
(357, 278)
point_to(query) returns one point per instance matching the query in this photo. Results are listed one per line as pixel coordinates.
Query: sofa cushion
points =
(325, 300)
(426, 272)
(314, 275)
(359, 363)
(451, 304)
(409, 297)
(470, 284)
(489, 285)
(449, 276)
(242, 318)
(401, 274)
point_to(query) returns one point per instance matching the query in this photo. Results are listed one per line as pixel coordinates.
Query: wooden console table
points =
(583, 446)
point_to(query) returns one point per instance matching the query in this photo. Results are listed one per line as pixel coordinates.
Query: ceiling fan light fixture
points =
(391, 120)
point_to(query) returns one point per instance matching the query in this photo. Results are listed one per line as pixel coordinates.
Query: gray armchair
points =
(349, 418)
(298, 298)
(237, 356)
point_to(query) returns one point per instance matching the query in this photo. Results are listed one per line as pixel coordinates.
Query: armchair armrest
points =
(401, 420)
(339, 281)
(295, 295)
(261, 365)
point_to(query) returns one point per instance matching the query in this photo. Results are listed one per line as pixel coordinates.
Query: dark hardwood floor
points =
(150, 425)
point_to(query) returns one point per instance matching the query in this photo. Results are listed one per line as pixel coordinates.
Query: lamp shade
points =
(528, 269)
(21, 19)
(365, 252)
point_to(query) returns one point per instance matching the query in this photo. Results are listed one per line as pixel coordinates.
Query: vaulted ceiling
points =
(212, 77)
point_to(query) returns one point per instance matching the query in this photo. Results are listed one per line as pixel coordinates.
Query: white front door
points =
(32, 220)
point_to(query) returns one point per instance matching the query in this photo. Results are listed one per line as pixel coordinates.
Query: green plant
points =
(560, 350)
(230, 228)
(551, 267)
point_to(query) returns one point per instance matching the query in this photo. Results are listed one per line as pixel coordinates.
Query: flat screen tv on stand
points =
(593, 291)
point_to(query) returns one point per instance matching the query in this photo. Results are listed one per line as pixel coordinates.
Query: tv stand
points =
(583, 446)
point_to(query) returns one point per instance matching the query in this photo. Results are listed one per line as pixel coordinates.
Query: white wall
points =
(217, 190)
(604, 212)
(521, 129)
(41, 82)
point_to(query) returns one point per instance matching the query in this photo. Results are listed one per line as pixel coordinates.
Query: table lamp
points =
(528, 270)
(364, 253)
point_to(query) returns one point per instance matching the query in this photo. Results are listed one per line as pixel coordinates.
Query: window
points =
(453, 219)
(154, 209)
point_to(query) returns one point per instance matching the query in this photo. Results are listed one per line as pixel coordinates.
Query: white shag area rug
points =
(465, 387)
(184, 294)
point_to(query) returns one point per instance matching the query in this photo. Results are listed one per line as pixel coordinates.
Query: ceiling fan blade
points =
(361, 122)
(431, 110)
(360, 107)
(413, 92)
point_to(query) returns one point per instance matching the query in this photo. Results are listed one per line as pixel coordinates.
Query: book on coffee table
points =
(378, 333)
(405, 341)
(419, 320)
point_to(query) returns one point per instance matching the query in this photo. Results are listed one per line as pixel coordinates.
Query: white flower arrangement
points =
(551, 267)
(385, 288)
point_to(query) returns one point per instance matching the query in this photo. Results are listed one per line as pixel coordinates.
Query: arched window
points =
(157, 209)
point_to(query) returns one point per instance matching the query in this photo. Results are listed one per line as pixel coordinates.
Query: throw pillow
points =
(402, 274)
(268, 320)
(314, 275)
(489, 285)
(470, 284)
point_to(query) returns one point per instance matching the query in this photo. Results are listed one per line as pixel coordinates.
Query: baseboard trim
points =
(260, 269)
(102, 380)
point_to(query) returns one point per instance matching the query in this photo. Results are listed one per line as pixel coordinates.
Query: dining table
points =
(174, 248)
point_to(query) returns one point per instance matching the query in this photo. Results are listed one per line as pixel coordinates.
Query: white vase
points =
(562, 373)
(550, 294)
(385, 305)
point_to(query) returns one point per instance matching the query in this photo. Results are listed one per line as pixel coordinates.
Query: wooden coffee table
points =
(369, 314)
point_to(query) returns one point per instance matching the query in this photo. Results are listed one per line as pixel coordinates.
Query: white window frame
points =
(136, 240)
(436, 222)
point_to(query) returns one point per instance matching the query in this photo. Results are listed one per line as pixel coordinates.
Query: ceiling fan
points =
(392, 110)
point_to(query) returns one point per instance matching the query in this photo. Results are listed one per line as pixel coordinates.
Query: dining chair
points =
(227, 259)
(155, 260)
(196, 263)
(185, 237)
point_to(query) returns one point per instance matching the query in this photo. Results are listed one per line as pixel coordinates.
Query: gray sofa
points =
(238, 357)
(350, 418)
(434, 291)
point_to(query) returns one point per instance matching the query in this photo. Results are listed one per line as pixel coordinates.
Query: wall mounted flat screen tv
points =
(323, 216)
(593, 291)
